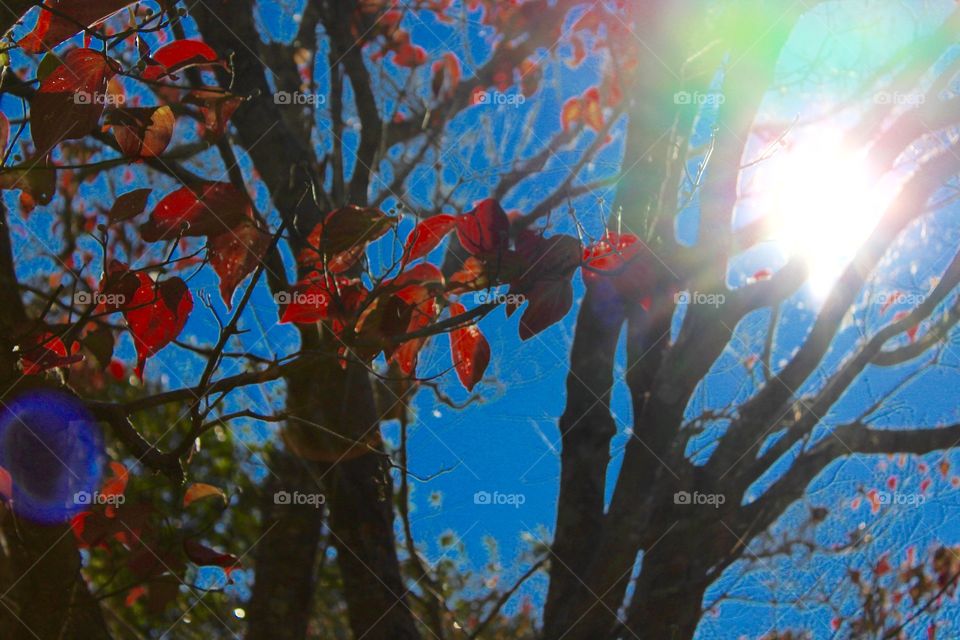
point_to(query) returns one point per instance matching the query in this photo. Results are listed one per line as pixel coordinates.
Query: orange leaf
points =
(200, 490)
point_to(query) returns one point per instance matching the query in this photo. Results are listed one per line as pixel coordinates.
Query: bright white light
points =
(822, 203)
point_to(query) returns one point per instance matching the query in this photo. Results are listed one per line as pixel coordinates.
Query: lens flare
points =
(824, 203)
(51, 455)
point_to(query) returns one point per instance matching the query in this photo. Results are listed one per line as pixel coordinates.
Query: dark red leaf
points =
(545, 284)
(470, 350)
(70, 100)
(4, 133)
(207, 209)
(343, 236)
(100, 342)
(235, 254)
(485, 230)
(205, 556)
(129, 205)
(427, 235)
(52, 29)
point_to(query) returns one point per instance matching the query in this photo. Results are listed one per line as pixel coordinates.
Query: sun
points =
(822, 203)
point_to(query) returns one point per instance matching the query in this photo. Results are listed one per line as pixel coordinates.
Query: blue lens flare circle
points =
(51, 456)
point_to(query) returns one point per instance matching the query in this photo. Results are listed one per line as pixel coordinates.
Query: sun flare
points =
(823, 204)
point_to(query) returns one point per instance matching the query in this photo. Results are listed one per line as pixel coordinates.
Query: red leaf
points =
(235, 254)
(157, 315)
(142, 132)
(586, 109)
(470, 350)
(208, 209)
(427, 235)
(49, 352)
(409, 55)
(205, 556)
(134, 594)
(343, 236)
(625, 261)
(485, 230)
(116, 485)
(312, 300)
(416, 284)
(423, 316)
(882, 567)
(70, 100)
(179, 55)
(53, 29)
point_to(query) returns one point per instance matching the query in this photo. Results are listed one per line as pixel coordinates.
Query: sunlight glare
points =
(824, 205)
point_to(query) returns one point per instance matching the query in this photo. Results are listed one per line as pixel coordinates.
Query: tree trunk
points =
(285, 558)
(669, 592)
(50, 599)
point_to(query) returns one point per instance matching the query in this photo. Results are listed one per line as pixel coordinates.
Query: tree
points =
(336, 168)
